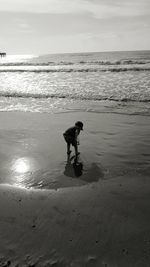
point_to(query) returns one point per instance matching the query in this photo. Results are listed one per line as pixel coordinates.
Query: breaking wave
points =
(82, 62)
(75, 97)
(67, 70)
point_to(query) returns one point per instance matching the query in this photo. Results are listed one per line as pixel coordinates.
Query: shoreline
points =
(100, 218)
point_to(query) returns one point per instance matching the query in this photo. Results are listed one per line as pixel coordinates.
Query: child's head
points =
(79, 124)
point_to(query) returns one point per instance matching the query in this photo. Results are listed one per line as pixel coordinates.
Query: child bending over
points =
(71, 137)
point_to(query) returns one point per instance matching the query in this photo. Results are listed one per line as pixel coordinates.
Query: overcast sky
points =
(56, 26)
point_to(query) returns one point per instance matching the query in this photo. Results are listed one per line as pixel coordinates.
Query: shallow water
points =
(34, 154)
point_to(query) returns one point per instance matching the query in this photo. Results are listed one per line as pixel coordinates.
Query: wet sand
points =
(52, 214)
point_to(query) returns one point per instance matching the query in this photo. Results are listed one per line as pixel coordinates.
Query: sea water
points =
(102, 82)
(114, 84)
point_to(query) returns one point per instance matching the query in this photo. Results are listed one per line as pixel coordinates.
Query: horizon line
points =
(81, 52)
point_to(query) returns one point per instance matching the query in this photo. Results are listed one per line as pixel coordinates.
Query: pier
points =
(2, 54)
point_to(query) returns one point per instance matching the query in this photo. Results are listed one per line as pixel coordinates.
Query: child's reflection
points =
(73, 168)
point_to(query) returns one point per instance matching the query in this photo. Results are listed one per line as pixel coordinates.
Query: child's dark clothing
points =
(71, 135)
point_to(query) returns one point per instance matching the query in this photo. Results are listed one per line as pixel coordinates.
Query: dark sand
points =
(51, 215)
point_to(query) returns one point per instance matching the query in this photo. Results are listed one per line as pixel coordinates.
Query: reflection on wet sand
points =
(22, 169)
(74, 168)
(21, 165)
(28, 172)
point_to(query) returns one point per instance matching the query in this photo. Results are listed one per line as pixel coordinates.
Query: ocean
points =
(109, 92)
(116, 82)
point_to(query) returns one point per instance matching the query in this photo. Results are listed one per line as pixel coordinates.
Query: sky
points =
(66, 26)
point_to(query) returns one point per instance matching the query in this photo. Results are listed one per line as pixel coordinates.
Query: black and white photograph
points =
(74, 133)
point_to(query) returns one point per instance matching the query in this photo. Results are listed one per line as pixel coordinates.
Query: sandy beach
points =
(52, 214)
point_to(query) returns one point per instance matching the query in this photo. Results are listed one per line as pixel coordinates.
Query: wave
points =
(75, 97)
(39, 70)
(51, 63)
(119, 62)
(82, 62)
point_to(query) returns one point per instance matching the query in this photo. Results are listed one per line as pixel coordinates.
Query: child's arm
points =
(77, 137)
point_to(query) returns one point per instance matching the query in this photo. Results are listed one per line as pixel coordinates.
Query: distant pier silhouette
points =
(2, 54)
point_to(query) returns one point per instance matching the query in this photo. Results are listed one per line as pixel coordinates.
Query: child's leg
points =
(76, 149)
(68, 148)
(68, 144)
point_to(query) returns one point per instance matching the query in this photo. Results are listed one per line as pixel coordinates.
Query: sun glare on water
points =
(22, 169)
(21, 165)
